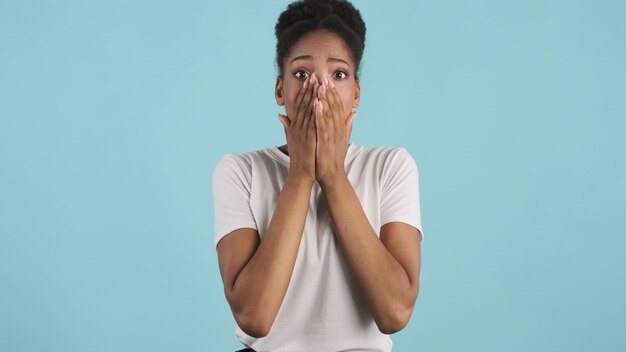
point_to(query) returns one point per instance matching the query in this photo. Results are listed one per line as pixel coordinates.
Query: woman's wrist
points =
(299, 177)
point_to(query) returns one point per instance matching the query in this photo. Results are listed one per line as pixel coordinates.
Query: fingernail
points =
(332, 85)
(306, 82)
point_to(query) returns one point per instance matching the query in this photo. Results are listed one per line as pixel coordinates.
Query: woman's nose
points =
(317, 77)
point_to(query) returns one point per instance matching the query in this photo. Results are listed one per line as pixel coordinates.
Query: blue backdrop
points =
(113, 115)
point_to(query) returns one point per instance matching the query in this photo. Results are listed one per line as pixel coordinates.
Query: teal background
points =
(113, 115)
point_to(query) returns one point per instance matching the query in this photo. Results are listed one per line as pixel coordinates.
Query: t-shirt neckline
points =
(284, 159)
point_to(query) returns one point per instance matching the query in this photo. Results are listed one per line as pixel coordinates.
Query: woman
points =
(318, 240)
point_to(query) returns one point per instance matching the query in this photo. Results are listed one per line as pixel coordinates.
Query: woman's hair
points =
(304, 16)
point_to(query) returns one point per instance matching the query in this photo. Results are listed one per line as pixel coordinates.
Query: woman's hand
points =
(300, 132)
(333, 133)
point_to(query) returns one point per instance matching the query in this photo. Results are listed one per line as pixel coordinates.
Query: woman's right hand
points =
(300, 131)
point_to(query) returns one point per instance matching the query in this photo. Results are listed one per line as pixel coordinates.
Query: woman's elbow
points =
(248, 317)
(253, 326)
(392, 326)
(396, 321)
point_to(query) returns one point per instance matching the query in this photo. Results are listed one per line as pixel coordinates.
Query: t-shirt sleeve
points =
(231, 197)
(400, 190)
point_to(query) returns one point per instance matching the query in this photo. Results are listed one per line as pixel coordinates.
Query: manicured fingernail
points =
(332, 85)
(306, 82)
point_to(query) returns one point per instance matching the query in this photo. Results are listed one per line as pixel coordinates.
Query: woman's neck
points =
(283, 148)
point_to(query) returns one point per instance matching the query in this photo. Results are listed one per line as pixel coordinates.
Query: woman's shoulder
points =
(234, 162)
(245, 160)
(385, 160)
(384, 152)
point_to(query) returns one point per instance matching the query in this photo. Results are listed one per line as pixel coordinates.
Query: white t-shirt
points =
(322, 309)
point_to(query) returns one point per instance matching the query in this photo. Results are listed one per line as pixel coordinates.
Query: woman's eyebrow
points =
(309, 57)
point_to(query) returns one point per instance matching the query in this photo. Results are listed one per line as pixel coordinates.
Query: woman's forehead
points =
(320, 45)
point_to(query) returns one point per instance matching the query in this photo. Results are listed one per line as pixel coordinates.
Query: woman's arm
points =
(386, 269)
(256, 277)
(258, 274)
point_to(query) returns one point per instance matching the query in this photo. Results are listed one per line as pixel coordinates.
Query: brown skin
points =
(321, 45)
(318, 124)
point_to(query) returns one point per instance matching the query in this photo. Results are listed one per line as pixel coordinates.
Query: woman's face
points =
(324, 54)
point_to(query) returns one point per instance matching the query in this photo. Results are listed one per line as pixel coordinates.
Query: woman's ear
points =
(357, 94)
(278, 91)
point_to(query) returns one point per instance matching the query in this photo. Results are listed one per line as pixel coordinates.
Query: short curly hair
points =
(304, 16)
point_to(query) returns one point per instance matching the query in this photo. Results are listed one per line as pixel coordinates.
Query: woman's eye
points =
(341, 73)
(300, 74)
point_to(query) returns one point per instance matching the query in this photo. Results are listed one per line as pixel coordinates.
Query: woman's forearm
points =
(383, 282)
(262, 284)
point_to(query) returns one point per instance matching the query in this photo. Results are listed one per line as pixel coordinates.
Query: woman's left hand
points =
(333, 133)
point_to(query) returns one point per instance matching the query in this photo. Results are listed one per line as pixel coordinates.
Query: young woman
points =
(318, 240)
